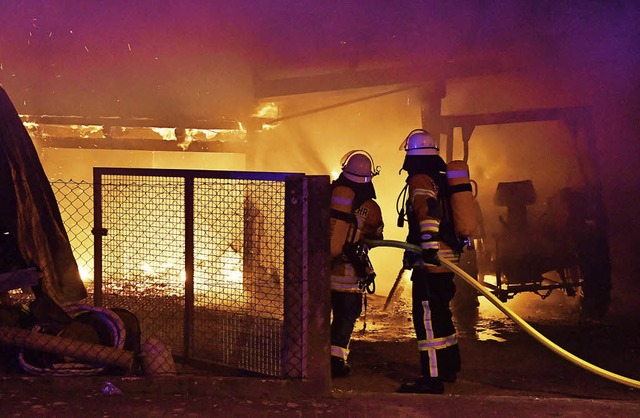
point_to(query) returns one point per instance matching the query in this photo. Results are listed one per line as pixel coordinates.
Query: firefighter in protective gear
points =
(432, 285)
(354, 216)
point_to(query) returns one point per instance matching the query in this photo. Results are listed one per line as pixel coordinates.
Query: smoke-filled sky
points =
(178, 61)
(195, 59)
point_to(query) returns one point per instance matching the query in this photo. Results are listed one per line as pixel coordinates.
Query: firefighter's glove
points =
(430, 256)
(409, 259)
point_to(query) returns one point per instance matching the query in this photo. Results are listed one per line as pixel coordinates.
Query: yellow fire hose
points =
(521, 322)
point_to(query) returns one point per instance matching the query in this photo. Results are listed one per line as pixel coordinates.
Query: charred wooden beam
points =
(116, 121)
(141, 145)
(342, 80)
(534, 115)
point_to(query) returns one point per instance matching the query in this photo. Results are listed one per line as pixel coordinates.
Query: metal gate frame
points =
(306, 298)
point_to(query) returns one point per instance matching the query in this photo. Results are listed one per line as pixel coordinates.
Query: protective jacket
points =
(354, 216)
(365, 222)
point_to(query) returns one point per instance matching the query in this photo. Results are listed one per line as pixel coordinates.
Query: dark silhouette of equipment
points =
(515, 196)
(565, 248)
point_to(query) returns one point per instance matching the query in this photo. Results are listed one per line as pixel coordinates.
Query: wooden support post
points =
(431, 109)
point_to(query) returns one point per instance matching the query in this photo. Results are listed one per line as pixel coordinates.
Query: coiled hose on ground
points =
(110, 319)
(518, 320)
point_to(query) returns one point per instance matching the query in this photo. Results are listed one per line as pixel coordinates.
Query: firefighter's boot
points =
(339, 367)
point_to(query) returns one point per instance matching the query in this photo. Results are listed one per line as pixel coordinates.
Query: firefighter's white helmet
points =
(419, 142)
(357, 165)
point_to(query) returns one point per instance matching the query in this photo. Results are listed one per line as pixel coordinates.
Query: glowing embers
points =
(186, 136)
(149, 278)
(102, 131)
(220, 282)
(46, 131)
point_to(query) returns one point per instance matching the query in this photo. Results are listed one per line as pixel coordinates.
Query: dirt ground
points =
(505, 372)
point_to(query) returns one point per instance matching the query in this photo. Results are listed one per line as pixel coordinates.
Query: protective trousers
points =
(432, 319)
(346, 308)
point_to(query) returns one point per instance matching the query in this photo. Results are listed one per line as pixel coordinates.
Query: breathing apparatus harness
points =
(447, 232)
(357, 253)
(440, 175)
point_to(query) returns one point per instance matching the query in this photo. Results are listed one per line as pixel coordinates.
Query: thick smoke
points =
(182, 61)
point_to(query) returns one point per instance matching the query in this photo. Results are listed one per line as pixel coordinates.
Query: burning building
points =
(132, 84)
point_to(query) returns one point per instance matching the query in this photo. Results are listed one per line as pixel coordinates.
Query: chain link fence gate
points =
(75, 201)
(225, 268)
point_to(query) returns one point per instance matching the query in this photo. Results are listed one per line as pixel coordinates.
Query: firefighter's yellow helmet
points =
(358, 166)
(419, 142)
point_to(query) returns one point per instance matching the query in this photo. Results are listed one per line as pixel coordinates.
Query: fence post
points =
(307, 293)
(97, 237)
(294, 361)
(188, 261)
(318, 284)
